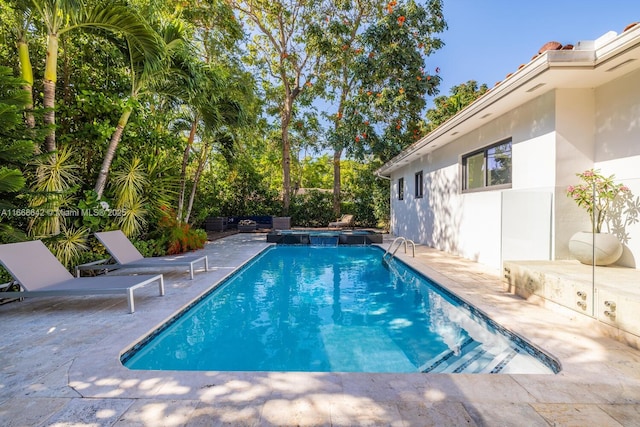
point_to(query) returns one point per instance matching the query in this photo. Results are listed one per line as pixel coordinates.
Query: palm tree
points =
(15, 151)
(144, 78)
(62, 16)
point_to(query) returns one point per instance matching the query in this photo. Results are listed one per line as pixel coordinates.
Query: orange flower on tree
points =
(401, 20)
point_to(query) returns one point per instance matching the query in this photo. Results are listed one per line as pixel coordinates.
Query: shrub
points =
(176, 237)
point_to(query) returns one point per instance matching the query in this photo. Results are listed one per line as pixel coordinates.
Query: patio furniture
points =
(218, 223)
(281, 222)
(40, 274)
(247, 226)
(126, 255)
(263, 222)
(343, 222)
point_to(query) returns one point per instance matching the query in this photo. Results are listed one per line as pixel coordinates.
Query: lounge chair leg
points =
(191, 271)
(206, 264)
(161, 284)
(130, 300)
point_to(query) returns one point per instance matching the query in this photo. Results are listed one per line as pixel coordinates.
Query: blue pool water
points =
(337, 309)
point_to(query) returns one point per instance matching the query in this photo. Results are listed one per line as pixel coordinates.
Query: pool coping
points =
(599, 382)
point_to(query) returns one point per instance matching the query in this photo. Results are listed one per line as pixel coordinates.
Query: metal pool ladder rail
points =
(400, 241)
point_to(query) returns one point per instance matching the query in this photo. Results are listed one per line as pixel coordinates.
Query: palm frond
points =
(69, 244)
(144, 41)
(11, 180)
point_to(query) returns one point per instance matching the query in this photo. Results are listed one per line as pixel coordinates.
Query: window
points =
(489, 167)
(418, 185)
(401, 189)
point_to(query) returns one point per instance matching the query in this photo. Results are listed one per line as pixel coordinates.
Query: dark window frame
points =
(401, 188)
(419, 183)
(487, 169)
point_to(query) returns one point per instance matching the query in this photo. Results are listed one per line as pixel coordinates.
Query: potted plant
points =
(595, 194)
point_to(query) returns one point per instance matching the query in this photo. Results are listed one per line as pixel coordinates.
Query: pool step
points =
(444, 359)
(472, 358)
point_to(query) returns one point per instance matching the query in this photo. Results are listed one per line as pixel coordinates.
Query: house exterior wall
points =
(555, 136)
(470, 224)
(575, 150)
(617, 151)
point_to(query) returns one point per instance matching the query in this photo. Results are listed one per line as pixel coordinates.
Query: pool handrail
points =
(401, 240)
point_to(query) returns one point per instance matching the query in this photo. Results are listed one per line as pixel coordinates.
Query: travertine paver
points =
(59, 365)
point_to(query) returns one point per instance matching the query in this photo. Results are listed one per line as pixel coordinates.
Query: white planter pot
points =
(608, 248)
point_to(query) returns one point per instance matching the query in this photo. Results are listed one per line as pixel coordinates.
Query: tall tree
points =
(19, 22)
(377, 73)
(281, 45)
(62, 16)
(447, 106)
(341, 42)
(394, 79)
(144, 77)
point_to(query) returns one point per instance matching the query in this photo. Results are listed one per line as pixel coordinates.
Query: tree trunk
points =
(286, 158)
(196, 179)
(111, 152)
(50, 78)
(26, 72)
(337, 155)
(183, 170)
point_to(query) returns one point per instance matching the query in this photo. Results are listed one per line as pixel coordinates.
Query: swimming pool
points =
(333, 309)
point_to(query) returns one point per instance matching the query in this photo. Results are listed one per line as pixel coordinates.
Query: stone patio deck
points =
(59, 366)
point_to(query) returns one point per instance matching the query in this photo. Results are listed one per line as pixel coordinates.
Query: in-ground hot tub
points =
(324, 237)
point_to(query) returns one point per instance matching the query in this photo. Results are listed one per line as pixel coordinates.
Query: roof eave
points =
(587, 56)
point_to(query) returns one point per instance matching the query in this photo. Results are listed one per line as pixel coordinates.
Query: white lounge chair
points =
(40, 274)
(127, 256)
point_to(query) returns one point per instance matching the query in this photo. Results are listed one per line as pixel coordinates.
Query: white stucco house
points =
(490, 183)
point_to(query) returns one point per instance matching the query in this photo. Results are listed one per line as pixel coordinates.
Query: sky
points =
(488, 39)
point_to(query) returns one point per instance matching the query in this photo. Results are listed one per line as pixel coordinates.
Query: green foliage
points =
(364, 195)
(128, 188)
(69, 245)
(235, 190)
(52, 191)
(380, 110)
(93, 212)
(384, 65)
(177, 237)
(151, 247)
(316, 172)
(15, 150)
(595, 194)
(312, 209)
(447, 106)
